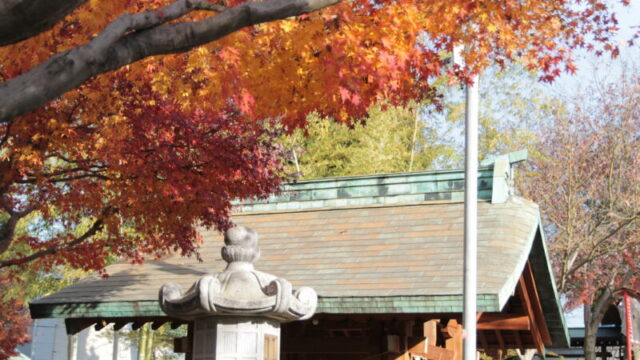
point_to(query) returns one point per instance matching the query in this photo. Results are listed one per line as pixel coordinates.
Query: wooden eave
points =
(520, 325)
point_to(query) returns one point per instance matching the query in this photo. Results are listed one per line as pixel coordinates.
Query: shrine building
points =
(384, 254)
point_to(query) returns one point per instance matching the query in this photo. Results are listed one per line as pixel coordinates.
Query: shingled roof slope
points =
(375, 251)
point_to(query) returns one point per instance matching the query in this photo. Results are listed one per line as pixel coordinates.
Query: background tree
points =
(514, 105)
(587, 183)
(389, 139)
(20, 286)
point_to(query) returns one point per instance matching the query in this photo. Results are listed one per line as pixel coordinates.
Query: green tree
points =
(513, 107)
(389, 139)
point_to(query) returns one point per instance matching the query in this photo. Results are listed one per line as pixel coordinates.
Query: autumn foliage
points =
(14, 322)
(131, 161)
(587, 182)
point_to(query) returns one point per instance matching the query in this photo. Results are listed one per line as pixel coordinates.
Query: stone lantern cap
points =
(239, 290)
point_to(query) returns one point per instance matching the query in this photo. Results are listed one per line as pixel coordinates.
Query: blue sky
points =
(629, 23)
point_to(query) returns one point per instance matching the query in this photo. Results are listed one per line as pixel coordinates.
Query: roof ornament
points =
(239, 289)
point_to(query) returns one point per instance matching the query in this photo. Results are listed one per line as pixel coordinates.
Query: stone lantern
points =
(237, 313)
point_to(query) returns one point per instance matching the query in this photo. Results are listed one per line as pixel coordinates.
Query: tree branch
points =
(7, 229)
(146, 20)
(115, 48)
(22, 19)
(94, 175)
(593, 252)
(94, 229)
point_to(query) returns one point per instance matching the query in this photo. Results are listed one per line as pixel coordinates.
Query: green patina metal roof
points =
(327, 305)
(368, 244)
(372, 190)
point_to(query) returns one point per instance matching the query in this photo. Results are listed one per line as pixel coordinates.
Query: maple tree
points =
(128, 151)
(587, 183)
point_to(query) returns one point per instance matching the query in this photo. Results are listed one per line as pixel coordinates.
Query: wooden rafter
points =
(504, 322)
(536, 304)
(525, 295)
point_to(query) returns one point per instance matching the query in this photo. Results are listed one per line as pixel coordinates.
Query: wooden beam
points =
(425, 347)
(528, 308)
(536, 305)
(188, 355)
(504, 322)
(181, 345)
(434, 353)
(455, 342)
(430, 331)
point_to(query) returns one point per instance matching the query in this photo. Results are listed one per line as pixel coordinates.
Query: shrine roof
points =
(372, 244)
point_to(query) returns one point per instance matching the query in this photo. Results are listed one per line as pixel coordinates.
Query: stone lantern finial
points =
(239, 289)
(241, 245)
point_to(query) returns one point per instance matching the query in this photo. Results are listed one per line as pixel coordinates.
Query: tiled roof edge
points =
(542, 263)
(328, 305)
(510, 284)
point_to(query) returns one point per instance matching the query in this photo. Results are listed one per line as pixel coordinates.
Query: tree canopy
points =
(128, 151)
(586, 179)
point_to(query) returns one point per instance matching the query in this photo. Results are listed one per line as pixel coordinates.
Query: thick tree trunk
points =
(590, 336)
(593, 315)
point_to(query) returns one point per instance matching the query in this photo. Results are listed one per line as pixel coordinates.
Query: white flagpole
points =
(470, 215)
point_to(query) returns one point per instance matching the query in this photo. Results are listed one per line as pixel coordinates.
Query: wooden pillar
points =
(403, 339)
(427, 347)
(454, 343)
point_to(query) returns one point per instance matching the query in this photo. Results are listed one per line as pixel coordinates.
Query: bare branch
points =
(116, 47)
(593, 253)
